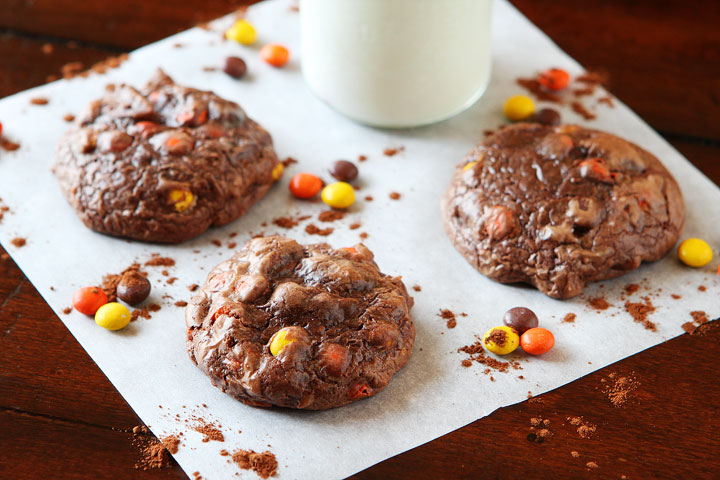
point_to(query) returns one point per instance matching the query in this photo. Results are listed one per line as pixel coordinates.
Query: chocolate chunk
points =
(521, 319)
(344, 171)
(133, 288)
(546, 116)
(235, 67)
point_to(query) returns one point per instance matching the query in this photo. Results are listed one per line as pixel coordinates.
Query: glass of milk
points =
(397, 63)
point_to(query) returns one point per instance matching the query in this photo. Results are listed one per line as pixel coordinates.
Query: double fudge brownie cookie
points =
(300, 326)
(559, 207)
(163, 164)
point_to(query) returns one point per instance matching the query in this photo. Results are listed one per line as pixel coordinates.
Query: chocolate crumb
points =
(395, 196)
(598, 303)
(210, 431)
(171, 443)
(153, 454)
(362, 158)
(392, 151)
(449, 316)
(640, 311)
(160, 262)
(534, 87)
(39, 101)
(67, 310)
(18, 242)
(591, 465)
(417, 288)
(7, 145)
(675, 296)
(575, 453)
(580, 109)
(608, 100)
(702, 288)
(618, 389)
(535, 421)
(355, 226)
(363, 235)
(477, 354)
(631, 288)
(181, 303)
(193, 287)
(569, 318)
(216, 242)
(154, 307)
(331, 215)
(497, 336)
(231, 245)
(264, 464)
(289, 222)
(288, 161)
(312, 229)
(69, 117)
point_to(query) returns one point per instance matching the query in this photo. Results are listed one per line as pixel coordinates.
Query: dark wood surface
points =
(60, 416)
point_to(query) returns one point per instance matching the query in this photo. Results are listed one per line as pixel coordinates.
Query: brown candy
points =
(235, 67)
(133, 288)
(344, 171)
(521, 319)
(546, 116)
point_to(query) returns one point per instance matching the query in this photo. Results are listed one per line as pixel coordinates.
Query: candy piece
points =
(554, 79)
(277, 171)
(334, 359)
(275, 54)
(305, 185)
(359, 390)
(87, 300)
(344, 171)
(351, 250)
(695, 252)
(537, 341)
(133, 288)
(235, 67)
(146, 128)
(546, 116)
(596, 169)
(501, 340)
(338, 195)
(280, 340)
(519, 107)
(182, 199)
(242, 32)
(521, 319)
(0, 129)
(112, 316)
(469, 165)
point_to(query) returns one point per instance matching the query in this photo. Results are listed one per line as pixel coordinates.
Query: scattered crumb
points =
(449, 316)
(598, 303)
(362, 158)
(264, 464)
(231, 245)
(18, 242)
(580, 109)
(392, 151)
(210, 431)
(477, 354)
(69, 117)
(355, 226)
(675, 296)
(153, 454)
(216, 242)
(67, 310)
(608, 100)
(7, 145)
(289, 222)
(312, 229)
(569, 318)
(618, 388)
(288, 161)
(39, 101)
(575, 453)
(640, 311)
(395, 196)
(47, 48)
(591, 465)
(369, 198)
(171, 443)
(181, 303)
(193, 287)
(331, 215)
(702, 288)
(417, 288)
(631, 288)
(363, 235)
(158, 261)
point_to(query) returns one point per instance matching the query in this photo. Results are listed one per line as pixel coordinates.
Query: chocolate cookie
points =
(300, 326)
(163, 164)
(559, 207)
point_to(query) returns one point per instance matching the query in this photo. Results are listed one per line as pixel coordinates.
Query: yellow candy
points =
(277, 172)
(112, 316)
(469, 166)
(338, 195)
(695, 252)
(519, 107)
(501, 340)
(242, 32)
(183, 199)
(279, 341)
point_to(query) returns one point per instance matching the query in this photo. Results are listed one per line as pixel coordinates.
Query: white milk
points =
(397, 63)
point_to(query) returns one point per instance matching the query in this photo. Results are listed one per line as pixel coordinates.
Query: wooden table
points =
(60, 416)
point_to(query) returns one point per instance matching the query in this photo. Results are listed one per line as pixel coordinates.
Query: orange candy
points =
(597, 169)
(537, 341)
(0, 129)
(275, 54)
(554, 79)
(359, 390)
(305, 185)
(87, 300)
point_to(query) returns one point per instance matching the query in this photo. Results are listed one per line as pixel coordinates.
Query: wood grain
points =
(59, 414)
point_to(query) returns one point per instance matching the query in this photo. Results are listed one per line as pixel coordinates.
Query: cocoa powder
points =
(264, 464)
(640, 311)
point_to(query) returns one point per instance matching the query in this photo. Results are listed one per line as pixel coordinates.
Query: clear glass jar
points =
(397, 63)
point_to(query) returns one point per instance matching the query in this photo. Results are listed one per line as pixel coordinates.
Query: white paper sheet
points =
(433, 395)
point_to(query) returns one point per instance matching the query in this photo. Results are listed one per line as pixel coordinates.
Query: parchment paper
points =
(434, 394)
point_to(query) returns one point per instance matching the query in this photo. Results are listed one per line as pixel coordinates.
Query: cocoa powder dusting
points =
(618, 388)
(289, 222)
(534, 87)
(631, 288)
(172, 443)
(264, 464)
(210, 431)
(497, 336)
(580, 109)
(111, 280)
(640, 311)
(153, 453)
